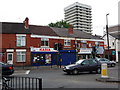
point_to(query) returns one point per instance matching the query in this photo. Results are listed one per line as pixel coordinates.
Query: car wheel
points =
(75, 71)
(112, 65)
(98, 71)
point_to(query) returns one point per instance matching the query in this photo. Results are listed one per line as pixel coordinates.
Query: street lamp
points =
(107, 34)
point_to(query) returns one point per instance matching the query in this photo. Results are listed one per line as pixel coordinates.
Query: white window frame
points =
(8, 60)
(67, 42)
(44, 39)
(21, 54)
(21, 40)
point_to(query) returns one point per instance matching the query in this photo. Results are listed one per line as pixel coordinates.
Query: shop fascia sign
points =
(43, 50)
(85, 50)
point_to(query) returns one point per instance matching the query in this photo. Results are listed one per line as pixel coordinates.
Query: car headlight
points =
(67, 67)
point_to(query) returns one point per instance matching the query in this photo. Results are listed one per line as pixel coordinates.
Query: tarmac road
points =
(56, 78)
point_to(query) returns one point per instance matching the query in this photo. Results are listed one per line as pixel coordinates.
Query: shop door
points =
(10, 58)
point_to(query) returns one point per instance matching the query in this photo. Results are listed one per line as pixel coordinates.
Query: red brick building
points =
(34, 44)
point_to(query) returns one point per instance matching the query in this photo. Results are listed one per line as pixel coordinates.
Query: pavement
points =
(113, 77)
(109, 79)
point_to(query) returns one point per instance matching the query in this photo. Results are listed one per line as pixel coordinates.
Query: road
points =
(56, 78)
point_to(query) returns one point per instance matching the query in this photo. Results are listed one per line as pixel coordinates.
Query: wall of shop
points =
(67, 56)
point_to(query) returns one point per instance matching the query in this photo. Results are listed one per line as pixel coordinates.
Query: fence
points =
(24, 83)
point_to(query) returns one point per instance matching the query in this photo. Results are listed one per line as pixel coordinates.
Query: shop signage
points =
(43, 50)
(100, 50)
(85, 51)
(83, 41)
(113, 52)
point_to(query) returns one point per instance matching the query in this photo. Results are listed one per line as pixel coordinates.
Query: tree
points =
(60, 24)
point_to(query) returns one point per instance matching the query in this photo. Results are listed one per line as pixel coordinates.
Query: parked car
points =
(107, 61)
(87, 65)
(7, 69)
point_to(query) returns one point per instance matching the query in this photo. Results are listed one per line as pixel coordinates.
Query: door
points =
(84, 66)
(10, 58)
(93, 65)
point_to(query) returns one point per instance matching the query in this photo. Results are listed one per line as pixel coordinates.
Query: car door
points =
(93, 65)
(84, 66)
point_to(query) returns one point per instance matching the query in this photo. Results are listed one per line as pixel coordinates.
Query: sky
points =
(43, 12)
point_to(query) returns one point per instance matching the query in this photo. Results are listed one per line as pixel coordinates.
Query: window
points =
(44, 42)
(84, 45)
(90, 45)
(86, 62)
(113, 44)
(92, 62)
(67, 42)
(21, 40)
(21, 56)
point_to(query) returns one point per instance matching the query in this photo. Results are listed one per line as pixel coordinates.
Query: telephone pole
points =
(107, 35)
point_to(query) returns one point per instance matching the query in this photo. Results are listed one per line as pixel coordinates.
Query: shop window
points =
(67, 42)
(44, 42)
(90, 45)
(21, 40)
(21, 56)
(84, 45)
(101, 43)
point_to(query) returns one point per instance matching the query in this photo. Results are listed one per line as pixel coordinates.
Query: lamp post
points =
(107, 34)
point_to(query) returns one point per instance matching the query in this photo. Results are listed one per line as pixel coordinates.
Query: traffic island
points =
(110, 79)
(104, 75)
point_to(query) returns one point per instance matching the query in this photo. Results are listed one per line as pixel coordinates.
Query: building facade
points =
(79, 15)
(114, 42)
(43, 45)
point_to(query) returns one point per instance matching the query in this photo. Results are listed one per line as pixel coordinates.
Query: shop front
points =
(44, 56)
(67, 57)
(85, 53)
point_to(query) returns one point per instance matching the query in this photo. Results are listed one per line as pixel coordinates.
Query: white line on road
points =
(27, 72)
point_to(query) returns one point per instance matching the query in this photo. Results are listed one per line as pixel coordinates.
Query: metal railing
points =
(24, 83)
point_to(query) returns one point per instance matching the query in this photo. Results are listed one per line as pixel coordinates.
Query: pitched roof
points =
(13, 28)
(77, 33)
(114, 28)
(42, 30)
(18, 28)
(115, 31)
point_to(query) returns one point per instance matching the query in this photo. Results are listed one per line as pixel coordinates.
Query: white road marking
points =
(21, 72)
(27, 72)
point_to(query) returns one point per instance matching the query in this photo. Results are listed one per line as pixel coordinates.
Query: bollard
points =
(104, 70)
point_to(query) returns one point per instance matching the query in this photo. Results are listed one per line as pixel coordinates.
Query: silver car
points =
(107, 61)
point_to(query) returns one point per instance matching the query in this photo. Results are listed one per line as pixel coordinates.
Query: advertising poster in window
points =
(48, 59)
(38, 59)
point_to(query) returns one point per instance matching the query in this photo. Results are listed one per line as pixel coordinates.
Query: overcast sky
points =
(43, 12)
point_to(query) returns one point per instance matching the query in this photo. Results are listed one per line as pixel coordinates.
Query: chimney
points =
(70, 29)
(26, 23)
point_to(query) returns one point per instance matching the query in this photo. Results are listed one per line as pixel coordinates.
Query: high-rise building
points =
(79, 15)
